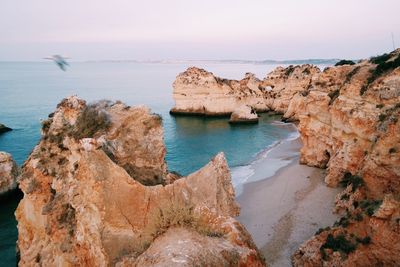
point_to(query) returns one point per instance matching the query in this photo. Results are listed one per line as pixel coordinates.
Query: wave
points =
(264, 164)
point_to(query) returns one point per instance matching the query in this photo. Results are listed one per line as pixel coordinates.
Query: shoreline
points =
(278, 155)
(288, 205)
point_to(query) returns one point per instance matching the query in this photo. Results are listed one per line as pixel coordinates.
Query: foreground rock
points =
(4, 128)
(8, 173)
(243, 114)
(86, 199)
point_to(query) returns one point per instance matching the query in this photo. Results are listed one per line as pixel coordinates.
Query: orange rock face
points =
(197, 91)
(349, 123)
(103, 197)
(360, 240)
(8, 173)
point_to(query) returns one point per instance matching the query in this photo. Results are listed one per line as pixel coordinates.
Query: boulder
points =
(243, 114)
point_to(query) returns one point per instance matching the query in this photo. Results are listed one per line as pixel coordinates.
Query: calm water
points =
(30, 91)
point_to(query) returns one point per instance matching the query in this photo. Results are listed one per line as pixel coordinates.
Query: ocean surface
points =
(29, 91)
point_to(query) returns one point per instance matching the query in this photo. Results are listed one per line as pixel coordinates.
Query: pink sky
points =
(186, 29)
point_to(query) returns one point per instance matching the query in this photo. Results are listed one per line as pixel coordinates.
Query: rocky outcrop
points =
(368, 236)
(243, 114)
(286, 83)
(348, 119)
(349, 124)
(4, 128)
(351, 131)
(87, 199)
(8, 173)
(348, 114)
(199, 92)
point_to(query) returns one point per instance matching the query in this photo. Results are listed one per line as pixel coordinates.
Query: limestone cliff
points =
(347, 114)
(197, 91)
(97, 193)
(349, 124)
(8, 173)
(285, 83)
(348, 120)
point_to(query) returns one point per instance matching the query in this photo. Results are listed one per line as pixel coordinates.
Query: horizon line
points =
(172, 61)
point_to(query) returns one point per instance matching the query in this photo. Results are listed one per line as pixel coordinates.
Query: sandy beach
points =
(284, 210)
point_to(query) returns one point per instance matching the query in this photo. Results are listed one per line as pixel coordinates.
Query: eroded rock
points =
(199, 92)
(8, 173)
(87, 201)
(243, 114)
(349, 123)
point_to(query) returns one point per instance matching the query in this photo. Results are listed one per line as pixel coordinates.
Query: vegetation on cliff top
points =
(345, 62)
(385, 63)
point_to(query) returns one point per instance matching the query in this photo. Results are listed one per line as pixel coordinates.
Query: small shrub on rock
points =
(354, 180)
(370, 206)
(365, 241)
(339, 243)
(92, 120)
(382, 117)
(320, 230)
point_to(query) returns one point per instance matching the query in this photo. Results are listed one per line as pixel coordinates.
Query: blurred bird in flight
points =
(59, 60)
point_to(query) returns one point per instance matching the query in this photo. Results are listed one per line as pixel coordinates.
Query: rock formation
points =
(4, 128)
(97, 192)
(349, 124)
(348, 119)
(199, 92)
(243, 114)
(285, 83)
(8, 173)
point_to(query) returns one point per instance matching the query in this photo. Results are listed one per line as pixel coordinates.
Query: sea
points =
(29, 91)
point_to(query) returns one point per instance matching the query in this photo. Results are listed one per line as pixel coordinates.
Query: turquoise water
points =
(30, 91)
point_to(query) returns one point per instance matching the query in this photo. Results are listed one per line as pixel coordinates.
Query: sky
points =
(187, 29)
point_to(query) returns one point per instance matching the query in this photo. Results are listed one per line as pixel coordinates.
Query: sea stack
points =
(97, 192)
(243, 115)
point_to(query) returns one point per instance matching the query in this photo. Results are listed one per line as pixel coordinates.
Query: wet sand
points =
(284, 210)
